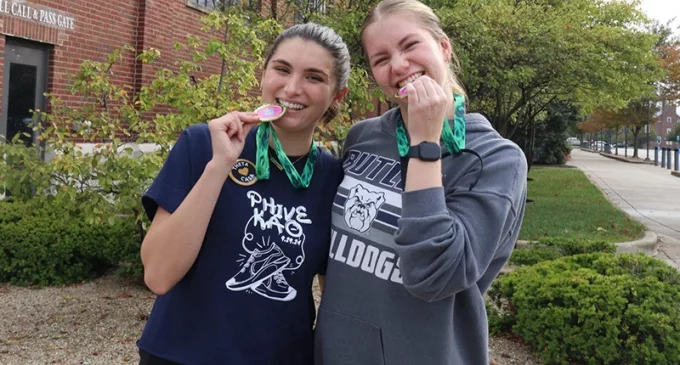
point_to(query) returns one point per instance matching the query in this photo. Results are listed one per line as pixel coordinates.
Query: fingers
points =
(412, 94)
(233, 124)
(248, 117)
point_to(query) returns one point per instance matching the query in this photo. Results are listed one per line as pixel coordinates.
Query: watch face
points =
(430, 151)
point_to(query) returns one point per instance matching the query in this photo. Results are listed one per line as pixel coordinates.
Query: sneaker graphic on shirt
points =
(260, 266)
(276, 287)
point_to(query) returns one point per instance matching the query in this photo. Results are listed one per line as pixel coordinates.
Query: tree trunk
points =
(636, 131)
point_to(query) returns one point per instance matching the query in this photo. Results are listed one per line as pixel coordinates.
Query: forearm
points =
(423, 175)
(170, 248)
(443, 253)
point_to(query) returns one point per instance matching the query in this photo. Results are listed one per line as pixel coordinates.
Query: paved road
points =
(648, 193)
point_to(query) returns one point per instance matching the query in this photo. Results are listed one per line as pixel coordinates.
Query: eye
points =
(411, 44)
(379, 61)
(282, 69)
(315, 78)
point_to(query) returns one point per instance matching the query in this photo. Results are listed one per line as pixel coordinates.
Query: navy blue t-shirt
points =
(248, 297)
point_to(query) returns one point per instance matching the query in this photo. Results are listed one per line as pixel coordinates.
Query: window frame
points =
(194, 4)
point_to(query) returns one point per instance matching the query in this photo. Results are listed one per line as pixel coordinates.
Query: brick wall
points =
(101, 27)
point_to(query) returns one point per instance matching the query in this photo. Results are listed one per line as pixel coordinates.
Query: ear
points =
(381, 198)
(445, 45)
(340, 95)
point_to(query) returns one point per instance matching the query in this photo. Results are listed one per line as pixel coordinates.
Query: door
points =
(24, 83)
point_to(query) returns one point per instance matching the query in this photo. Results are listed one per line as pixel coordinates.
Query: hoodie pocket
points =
(343, 340)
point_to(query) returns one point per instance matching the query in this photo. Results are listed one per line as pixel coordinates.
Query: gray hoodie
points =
(407, 271)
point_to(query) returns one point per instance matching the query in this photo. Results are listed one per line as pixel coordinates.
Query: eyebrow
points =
(309, 69)
(400, 44)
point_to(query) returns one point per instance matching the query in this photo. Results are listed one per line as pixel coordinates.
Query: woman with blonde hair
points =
(427, 214)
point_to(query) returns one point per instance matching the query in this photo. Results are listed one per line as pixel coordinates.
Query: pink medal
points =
(402, 93)
(270, 112)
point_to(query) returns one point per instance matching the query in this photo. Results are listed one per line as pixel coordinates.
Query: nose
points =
(292, 86)
(399, 64)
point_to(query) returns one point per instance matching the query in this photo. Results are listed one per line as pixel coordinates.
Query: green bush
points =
(553, 248)
(593, 308)
(50, 245)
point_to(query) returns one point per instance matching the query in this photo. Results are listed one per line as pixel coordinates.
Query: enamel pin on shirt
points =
(270, 112)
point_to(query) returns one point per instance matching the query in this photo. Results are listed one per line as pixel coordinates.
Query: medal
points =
(270, 112)
(402, 93)
(454, 139)
(265, 132)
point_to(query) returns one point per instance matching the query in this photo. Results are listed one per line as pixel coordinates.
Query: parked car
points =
(573, 141)
(600, 145)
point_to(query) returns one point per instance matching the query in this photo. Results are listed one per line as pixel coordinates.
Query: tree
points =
(515, 53)
(599, 120)
(674, 136)
(634, 116)
(549, 134)
(670, 56)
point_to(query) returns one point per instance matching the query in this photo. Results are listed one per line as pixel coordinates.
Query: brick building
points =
(667, 122)
(44, 41)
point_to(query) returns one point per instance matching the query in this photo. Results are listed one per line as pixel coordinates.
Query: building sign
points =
(37, 14)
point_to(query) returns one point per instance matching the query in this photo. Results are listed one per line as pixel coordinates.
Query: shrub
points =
(50, 245)
(554, 248)
(594, 308)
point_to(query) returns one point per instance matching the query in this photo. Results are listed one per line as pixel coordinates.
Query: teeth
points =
(291, 105)
(410, 79)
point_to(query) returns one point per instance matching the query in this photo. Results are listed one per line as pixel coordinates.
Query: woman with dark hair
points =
(241, 218)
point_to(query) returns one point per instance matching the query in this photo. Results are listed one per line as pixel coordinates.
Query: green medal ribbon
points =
(454, 140)
(264, 131)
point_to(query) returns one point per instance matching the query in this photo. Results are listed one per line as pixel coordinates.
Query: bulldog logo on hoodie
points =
(361, 208)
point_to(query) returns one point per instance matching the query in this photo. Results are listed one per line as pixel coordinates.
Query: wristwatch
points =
(425, 151)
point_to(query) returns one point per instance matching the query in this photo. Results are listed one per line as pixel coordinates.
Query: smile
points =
(410, 79)
(290, 105)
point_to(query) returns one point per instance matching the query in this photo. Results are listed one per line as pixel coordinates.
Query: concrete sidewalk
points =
(647, 193)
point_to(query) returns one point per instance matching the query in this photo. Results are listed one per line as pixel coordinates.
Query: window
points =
(209, 5)
(669, 120)
(306, 7)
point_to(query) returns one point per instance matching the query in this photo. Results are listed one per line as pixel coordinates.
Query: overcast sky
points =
(663, 10)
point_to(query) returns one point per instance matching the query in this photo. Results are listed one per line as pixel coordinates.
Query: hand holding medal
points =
(227, 134)
(453, 138)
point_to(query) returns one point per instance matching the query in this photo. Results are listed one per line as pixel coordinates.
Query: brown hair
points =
(428, 19)
(328, 39)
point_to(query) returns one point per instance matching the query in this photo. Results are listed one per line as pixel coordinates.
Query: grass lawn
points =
(566, 204)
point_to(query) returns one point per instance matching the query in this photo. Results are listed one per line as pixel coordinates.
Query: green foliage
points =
(53, 245)
(553, 248)
(109, 179)
(544, 140)
(514, 53)
(593, 309)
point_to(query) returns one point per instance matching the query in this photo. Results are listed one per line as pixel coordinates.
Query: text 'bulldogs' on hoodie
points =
(407, 271)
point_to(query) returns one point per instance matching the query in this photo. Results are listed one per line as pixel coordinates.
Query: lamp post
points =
(649, 107)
